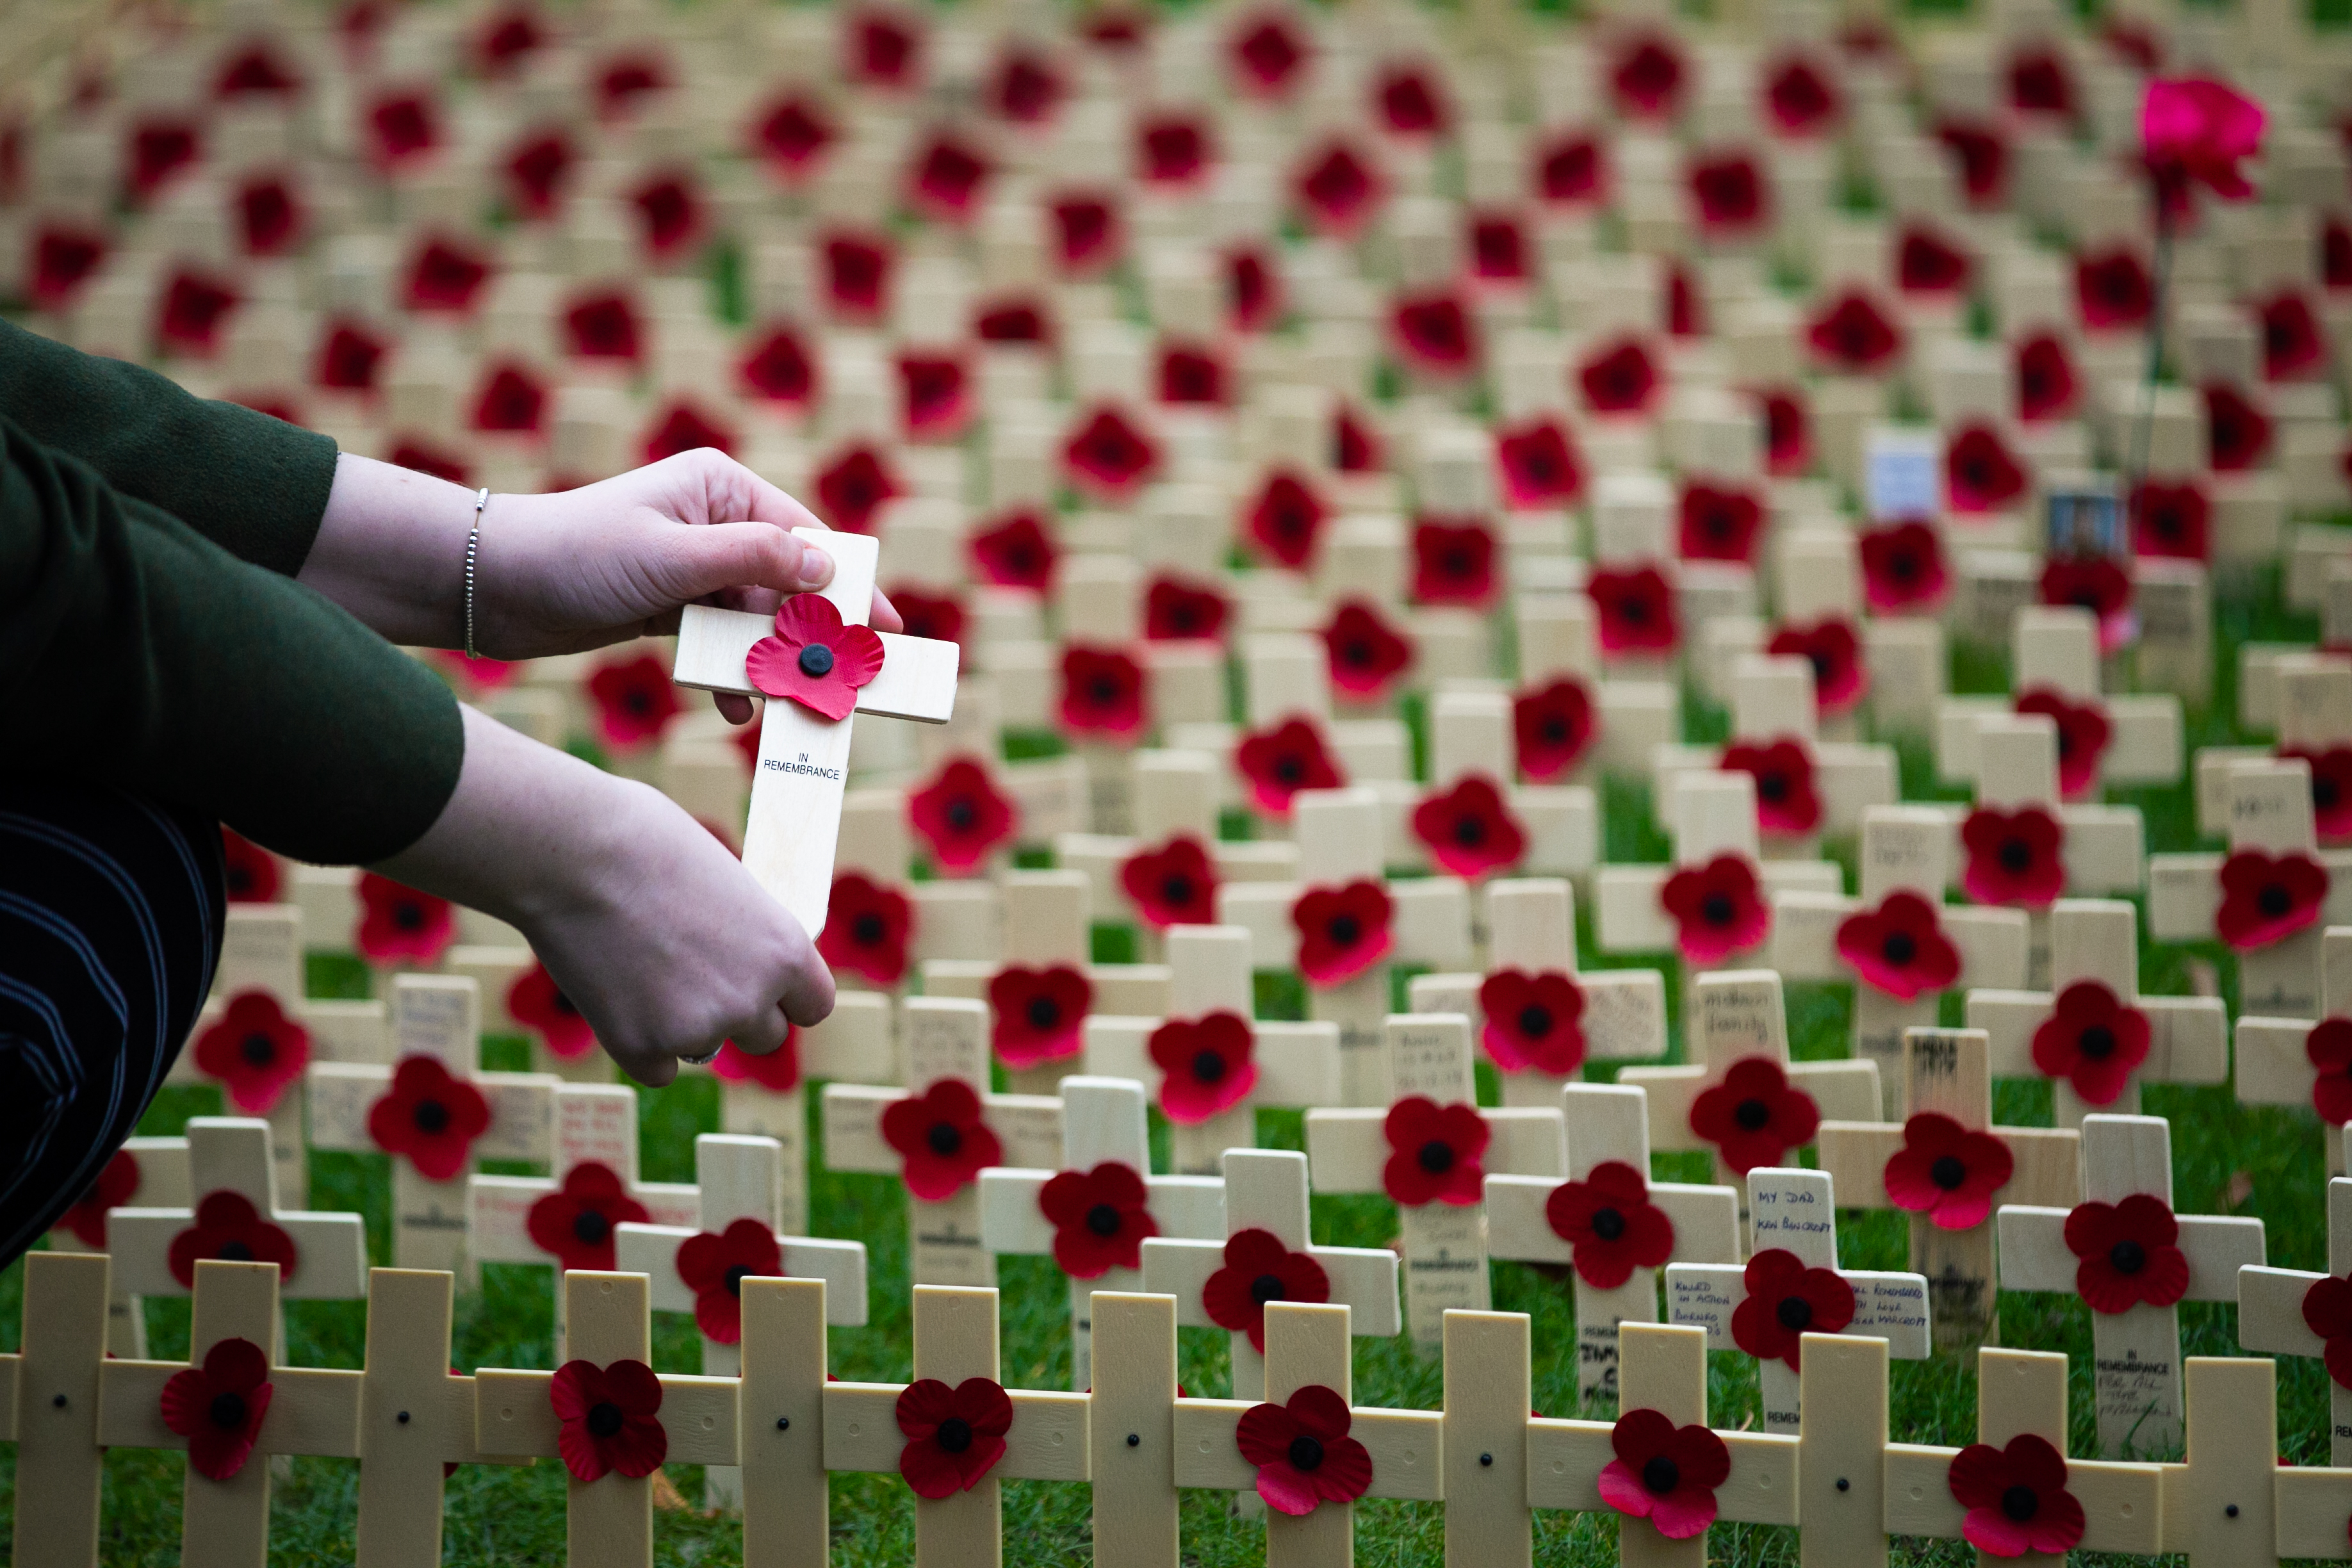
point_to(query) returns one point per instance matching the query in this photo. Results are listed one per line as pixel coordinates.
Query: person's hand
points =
(652, 929)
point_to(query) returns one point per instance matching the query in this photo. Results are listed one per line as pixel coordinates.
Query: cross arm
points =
(917, 679)
(2183, 893)
(2313, 1505)
(2273, 1068)
(1565, 1459)
(514, 1417)
(1405, 1448)
(497, 1215)
(2217, 1247)
(312, 1410)
(1847, 1090)
(1346, 1147)
(2188, 1039)
(1855, 1153)
(1362, 1279)
(1888, 1304)
(2270, 1311)
(2034, 1251)
(330, 1255)
(2104, 851)
(1047, 1440)
(522, 1108)
(1706, 1220)
(2121, 1502)
(651, 1251)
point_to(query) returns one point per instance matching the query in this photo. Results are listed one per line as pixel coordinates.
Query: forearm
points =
(391, 549)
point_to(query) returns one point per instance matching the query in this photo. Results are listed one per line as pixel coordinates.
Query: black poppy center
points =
(1103, 689)
(1899, 948)
(1469, 831)
(234, 1252)
(1103, 1220)
(1457, 563)
(227, 1411)
(257, 1050)
(961, 813)
(2020, 1503)
(1752, 1115)
(2127, 1256)
(1716, 909)
(408, 916)
(1902, 565)
(1358, 652)
(867, 929)
(1632, 610)
(1948, 1171)
(1796, 1313)
(735, 1276)
(1208, 1067)
(816, 660)
(604, 1418)
(1609, 1225)
(944, 1138)
(2097, 1042)
(1535, 1020)
(591, 1228)
(1045, 1012)
(1554, 730)
(1177, 890)
(2274, 901)
(638, 703)
(2015, 856)
(1661, 1475)
(1267, 1287)
(2324, 793)
(1773, 787)
(431, 1116)
(1345, 929)
(1436, 1157)
(1305, 1453)
(1289, 770)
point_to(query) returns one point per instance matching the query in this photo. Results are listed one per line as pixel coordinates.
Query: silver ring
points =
(705, 1059)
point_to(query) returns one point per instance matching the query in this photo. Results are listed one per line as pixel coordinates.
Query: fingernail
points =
(817, 567)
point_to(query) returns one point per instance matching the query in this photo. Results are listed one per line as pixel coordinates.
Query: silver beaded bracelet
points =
(473, 548)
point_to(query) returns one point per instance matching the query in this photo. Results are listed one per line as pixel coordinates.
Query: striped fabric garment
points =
(111, 912)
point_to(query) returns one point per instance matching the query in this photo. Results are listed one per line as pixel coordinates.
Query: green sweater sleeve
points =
(137, 651)
(253, 485)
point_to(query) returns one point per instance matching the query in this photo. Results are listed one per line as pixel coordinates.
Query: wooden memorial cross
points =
(853, 1045)
(2132, 1260)
(2093, 1034)
(1561, 675)
(225, 1503)
(955, 1346)
(1093, 1214)
(1903, 946)
(1213, 1063)
(1744, 1101)
(1594, 1222)
(2268, 898)
(2310, 698)
(1663, 1369)
(1538, 1018)
(49, 1407)
(2285, 1312)
(145, 1173)
(1131, 1431)
(1306, 1346)
(948, 1130)
(1806, 787)
(742, 1235)
(2221, 1506)
(1267, 1255)
(1343, 927)
(1949, 1167)
(2279, 1059)
(796, 785)
(421, 1114)
(1430, 1152)
(1792, 1286)
(2020, 1412)
(607, 1358)
(253, 1037)
(2102, 740)
(1465, 821)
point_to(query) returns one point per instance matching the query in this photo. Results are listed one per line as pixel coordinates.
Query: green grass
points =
(2274, 1159)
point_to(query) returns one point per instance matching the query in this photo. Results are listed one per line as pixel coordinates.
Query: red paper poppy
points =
(510, 402)
(1016, 553)
(2171, 521)
(1499, 249)
(934, 395)
(882, 49)
(1684, 317)
(2046, 381)
(1552, 726)
(1946, 1172)
(2196, 131)
(2331, 788)
(1013, 321)
(1718, 524)
(1755, 1116)
(219, 1407)
(429, 1116)
(1175, 610)
(777, 1071)
(1435, 334)
(1365, 655)
(792, 136)
(1834, 651)
(1717, 908)
(539, 1005)
(2131, 42)
(1173, 885)
(2083, 736)
(1173, 149)
(1268, 55)
(814, 659)
(1533, 1021)
(1802, 100)
(2129, 1254)
(1980, 475)
(159, 150)
(855, 486)
(269, 218)
(1788, 435)
(1982, 152)
(603, 326)
(1039, 1015)
(1900, 947)
(867, 930)
(536, 172)
(573, 1224)
(1101, 1218)
(944, 183)
(714, 1265)
(2265, 898)
(1853, 336)
(1342, 932)
(960, 815)
(116, 1185)
(1927, 263)
(857, 269)
(1280, 761)
(2335, 254)
(1730, 194)
(1663, 1473)
(2292, 343)
(635, 701)
(442, 276)
(2112, 290)
(1285, 519)
(938, 616)
(608, 1419)
(1025, 88)
(2016, 1498)
(1469, 830)
(1434, 1152)
(2013, 856)
(1454, 564)
(2039, 83)
(1636, 610)
(256, 71)
(1253, 291)
(1102, 693)
(1786, 798)
(403, 128)
(1192, 376)
(1785, 1301)
(64, 259)
(1610, 1224)
(1411, 103)
(227, 1227)
(398, 923)
(1356, 445)
(1619, 378)
(1259, 1268)
(1339, 190)
(2093, 1041)
(2327, 1312)
(1108, 458)
(193, 312)
(1088, 234)
(954, 1436)
(1646, 78)
(248, 871)
(1569, 170)
(624, 80)
(2238, 433)
(941, 1136)
(1303, 1453)
(1538, 465)
(1209, 1063)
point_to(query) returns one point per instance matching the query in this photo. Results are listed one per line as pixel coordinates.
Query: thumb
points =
(713, 557)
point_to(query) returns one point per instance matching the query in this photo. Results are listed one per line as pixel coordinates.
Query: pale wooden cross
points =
(1209, 973)
(2271, 1307)
(1306, 1346)
(853, 1045)
(1608, 1123)
(51, 1407)
(608, 1520)
(1265, 1192)
(1947, 1075)
(1793, 1211)
(2223, 1506)
(1662, 1368)
(261, 958)
(1131, 1430)
(1620, 1014)
(956, 1340)
(2311, 695)
(1470, 736)
(2054, 651)
(2137, 1370)
(158, 1169)
(1905, 850)
(312, 1410)
(1102, 1123)
(797, 786)
(739, 1177)
(1772, 700)
(2274, 1059)
(2094, 943)
(2023, 1394)
(1557, 643)
(1444, 1243)
(941, 1038)
(1736, 1016)
(438, 1018)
